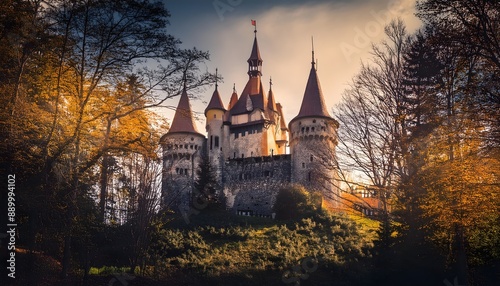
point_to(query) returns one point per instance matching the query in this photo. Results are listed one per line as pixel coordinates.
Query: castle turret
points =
(182, 148)
(215, 114)
(313, 138)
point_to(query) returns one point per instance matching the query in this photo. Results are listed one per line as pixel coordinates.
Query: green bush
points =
(295, 202)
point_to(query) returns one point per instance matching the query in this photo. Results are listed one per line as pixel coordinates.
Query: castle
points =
(247, 145)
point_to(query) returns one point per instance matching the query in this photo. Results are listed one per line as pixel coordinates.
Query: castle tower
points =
(215, 114)
(254, 119)
(182, 147)
(313, 139)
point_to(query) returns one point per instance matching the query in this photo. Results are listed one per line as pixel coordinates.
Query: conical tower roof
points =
(183, 121)
(233, 99)
(215, 101)
(255, 55)
(313, 102)
(271, 102)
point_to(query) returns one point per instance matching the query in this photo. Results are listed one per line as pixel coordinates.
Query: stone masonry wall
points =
(251, 184)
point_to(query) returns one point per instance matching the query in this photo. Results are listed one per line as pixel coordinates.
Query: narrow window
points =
(216, 142)
(311, 158)
(211, 142)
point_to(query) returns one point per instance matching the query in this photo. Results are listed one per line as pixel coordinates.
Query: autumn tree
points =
(373, 129)
(84, 74)
(459, 163)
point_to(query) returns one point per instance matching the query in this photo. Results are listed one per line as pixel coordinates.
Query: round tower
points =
(313, 139)
(182, 152)
(214, 114)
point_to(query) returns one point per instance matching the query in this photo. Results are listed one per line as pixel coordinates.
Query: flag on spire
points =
(254, 23)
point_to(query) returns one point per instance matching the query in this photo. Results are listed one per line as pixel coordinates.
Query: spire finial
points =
(184, 80)
(270, 82)
(312, 49)
(254, 23)
(234, 87)
(216, 78)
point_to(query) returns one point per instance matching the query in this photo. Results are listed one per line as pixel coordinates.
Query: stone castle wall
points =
(251, 184)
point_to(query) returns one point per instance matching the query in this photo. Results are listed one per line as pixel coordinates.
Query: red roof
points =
(233, 100)
(271, 103)
(183, 121)
(255, 91)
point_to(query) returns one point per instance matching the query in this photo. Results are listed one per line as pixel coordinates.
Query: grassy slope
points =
(221, 249)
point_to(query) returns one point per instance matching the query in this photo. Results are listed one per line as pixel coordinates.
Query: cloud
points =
(343, 32)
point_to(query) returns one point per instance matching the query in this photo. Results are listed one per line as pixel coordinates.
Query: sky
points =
(343, 32)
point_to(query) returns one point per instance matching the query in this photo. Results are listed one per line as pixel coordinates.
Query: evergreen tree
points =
(206, 183)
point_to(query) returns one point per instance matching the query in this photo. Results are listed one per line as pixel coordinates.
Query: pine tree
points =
(206, 182)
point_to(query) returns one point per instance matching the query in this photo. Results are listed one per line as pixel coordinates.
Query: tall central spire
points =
(255, 61)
